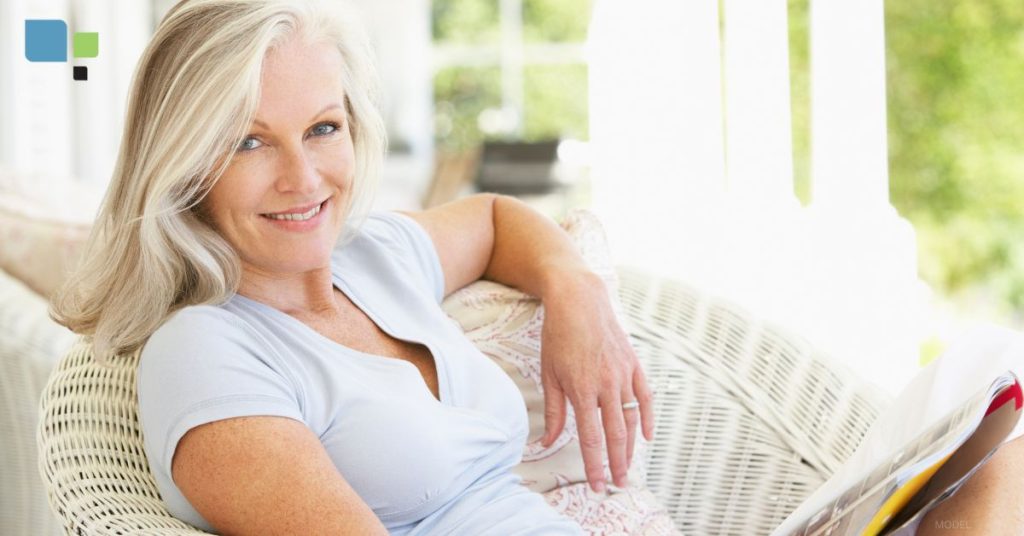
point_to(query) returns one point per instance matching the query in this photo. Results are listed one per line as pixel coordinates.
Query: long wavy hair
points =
(193, 97)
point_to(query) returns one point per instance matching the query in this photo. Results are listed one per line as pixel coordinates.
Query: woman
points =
(279, 319)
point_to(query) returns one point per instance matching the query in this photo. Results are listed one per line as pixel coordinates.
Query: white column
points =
(871, 305)
(655, 122)
(848, 125)
(400, 34)
(759, 149)
(38, 131)
(100, 103)
(11, 54)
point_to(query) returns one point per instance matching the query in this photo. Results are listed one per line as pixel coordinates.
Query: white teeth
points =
(295, 217)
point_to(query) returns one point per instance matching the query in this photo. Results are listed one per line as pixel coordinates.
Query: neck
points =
(297, 294)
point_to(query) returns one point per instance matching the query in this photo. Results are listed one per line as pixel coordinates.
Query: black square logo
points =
(80, 73)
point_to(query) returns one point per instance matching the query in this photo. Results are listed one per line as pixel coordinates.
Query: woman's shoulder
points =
(199, 319)
(209, 343)
(381, 227)
(196, 330)
(392, 246)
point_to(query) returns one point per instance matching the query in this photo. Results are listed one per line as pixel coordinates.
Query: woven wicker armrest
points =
(750, 419)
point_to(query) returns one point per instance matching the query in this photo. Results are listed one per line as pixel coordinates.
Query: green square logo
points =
(86, 44)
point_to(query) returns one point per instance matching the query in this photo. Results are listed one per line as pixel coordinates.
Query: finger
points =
(646, 400)
(632, 417)
(590, 442)
(615, 436)
(554, 412)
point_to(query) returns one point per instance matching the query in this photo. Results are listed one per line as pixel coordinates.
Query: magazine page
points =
(890, 483)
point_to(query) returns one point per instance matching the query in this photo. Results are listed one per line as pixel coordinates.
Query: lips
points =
(302, 209)
(297, 218)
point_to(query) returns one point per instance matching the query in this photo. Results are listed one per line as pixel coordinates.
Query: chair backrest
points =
(91, 454)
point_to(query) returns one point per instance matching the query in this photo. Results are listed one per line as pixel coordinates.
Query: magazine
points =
(892, 496)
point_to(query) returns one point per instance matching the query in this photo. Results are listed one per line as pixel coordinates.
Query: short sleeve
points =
(204, 365)
(412, 246)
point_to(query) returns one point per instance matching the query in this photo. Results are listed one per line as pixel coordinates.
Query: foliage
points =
(800, 100)
(465, 21)
(956, 144)
(460, 94)
(556, 102)
(556, 21)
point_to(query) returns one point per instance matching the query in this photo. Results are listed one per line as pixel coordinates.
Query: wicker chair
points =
(750, 420)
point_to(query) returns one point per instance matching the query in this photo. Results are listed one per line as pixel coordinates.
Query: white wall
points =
(58, 134)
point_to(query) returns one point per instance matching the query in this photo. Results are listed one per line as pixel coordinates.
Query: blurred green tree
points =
(956, 141)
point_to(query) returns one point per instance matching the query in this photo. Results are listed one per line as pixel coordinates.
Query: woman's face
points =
(280, 203)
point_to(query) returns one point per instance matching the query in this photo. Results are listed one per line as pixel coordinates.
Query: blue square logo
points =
(46, 40)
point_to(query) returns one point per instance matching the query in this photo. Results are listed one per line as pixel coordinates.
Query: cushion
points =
(42, 234)
(30, 345)
(505, 324)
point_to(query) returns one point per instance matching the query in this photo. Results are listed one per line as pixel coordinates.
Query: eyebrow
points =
(318, 114)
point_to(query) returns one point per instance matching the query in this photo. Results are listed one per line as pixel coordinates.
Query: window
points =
(509, 69)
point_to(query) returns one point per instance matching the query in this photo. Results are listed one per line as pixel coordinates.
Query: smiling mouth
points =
(296, 216)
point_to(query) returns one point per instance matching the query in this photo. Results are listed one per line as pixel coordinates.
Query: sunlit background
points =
(850, 170)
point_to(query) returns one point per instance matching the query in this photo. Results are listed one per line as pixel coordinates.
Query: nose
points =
(297, 172)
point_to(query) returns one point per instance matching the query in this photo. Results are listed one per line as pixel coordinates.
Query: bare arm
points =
(500, 238)
(267, 475)
(989, 503)
(586, 357)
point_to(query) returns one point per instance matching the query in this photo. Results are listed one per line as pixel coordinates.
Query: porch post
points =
(848, 125)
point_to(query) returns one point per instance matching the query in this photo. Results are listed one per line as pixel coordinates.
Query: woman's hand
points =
(586, 356)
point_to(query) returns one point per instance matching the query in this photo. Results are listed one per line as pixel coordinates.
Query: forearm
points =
(989, 502)
(532, 253)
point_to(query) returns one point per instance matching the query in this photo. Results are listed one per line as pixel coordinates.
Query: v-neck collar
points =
(443, 387)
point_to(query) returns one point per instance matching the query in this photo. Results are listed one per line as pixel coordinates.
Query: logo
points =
(46, 40)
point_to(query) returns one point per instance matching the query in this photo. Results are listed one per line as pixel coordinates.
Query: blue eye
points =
(323, 129)
(319, 129)
(245, 146)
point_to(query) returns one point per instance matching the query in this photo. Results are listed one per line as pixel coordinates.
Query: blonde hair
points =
(194, 96)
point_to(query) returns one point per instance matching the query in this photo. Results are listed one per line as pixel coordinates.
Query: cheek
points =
(339, 161)
(228, 199)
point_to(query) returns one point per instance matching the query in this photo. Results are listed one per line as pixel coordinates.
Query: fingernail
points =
(599, 486)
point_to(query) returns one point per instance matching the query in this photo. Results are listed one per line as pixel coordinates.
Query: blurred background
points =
(849, 169)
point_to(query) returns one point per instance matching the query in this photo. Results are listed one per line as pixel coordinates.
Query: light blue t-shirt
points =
(424, 466)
